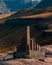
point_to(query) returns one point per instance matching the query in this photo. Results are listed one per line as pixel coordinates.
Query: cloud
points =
(36, 0)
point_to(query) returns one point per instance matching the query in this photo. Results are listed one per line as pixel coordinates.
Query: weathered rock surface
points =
(48, 61)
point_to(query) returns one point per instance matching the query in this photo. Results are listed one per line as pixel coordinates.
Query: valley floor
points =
(48, 61)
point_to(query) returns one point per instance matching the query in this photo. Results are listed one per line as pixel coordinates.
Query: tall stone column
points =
(28, 40)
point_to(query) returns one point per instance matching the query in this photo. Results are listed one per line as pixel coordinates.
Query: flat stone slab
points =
(37, 54)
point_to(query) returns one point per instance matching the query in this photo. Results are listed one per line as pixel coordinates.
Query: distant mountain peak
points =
(3, 7)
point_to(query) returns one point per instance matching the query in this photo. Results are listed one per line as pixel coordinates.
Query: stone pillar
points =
(32, 44)
(35, 45)
(28, 40)
(38, 47)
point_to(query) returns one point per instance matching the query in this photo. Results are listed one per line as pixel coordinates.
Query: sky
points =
(35, 0)
(17, 4)
(15, 0)
(31, 0)
(21, 0)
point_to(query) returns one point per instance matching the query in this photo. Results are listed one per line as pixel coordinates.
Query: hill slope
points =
(12, 31)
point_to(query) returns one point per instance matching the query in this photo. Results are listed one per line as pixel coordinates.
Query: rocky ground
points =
(48, 61)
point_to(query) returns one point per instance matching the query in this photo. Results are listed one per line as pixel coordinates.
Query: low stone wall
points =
(37, 54)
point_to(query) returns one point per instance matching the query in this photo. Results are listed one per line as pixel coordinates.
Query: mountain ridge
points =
(12, 31)
(44, 4)
(19, 4)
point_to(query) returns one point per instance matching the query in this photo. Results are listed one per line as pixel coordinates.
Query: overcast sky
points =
(35, 0)
(15, 0)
